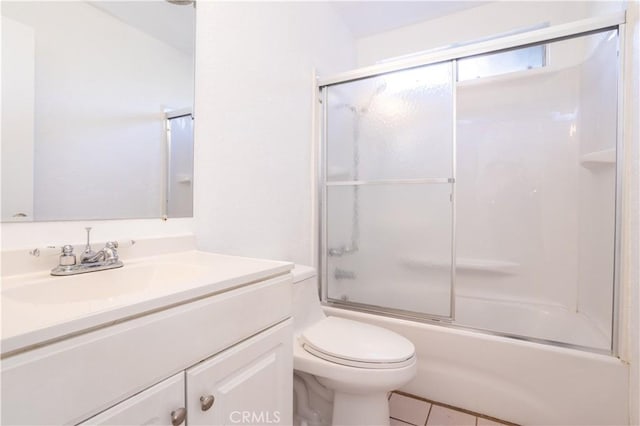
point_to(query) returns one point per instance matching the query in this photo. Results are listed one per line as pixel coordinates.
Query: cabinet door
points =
(153, 406)
(250, 383)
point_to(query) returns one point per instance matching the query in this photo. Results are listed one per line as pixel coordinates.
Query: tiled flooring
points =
(405, 410)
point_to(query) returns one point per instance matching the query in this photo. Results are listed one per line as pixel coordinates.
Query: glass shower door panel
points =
(394, 126)
(389, 246)
(536, 189)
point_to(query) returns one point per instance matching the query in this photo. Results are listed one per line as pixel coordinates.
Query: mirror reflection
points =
(97, 119)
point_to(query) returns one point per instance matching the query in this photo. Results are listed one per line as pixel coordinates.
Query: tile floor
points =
(406, 410)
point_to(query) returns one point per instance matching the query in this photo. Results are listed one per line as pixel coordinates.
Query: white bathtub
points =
(541, 321)
(522, 382)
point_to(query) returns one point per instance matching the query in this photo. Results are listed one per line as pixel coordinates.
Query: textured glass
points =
(390, 246)
(536, 180)
(395, 126)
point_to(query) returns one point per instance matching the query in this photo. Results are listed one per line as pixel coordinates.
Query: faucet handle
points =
(110, 252)
(88, 246)
(88, 252)
(67, 257)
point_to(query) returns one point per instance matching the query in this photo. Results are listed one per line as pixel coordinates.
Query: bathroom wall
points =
(483, 21)
(100, 90)
(254, 135)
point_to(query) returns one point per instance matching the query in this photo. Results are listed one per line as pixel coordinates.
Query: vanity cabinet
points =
(234, 345)
(248, 383)
(154, 406)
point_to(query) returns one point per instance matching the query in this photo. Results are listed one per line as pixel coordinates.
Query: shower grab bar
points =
(389, 181)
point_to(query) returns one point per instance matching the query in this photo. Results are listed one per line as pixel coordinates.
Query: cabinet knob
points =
(178, 416)
(206, 401)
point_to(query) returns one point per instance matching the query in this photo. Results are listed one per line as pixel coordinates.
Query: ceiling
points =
(170, 23)
(365, 18)
(175, 24)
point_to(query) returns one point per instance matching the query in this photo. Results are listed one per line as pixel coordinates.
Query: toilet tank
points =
(306, 299)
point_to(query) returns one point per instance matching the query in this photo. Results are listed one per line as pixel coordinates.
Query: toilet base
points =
(371, 409)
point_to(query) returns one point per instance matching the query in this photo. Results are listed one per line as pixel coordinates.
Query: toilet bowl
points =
(360, 363)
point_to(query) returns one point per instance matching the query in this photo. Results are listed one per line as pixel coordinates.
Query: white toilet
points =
(360, 363)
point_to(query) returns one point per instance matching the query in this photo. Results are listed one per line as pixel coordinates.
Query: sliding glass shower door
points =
(388, 190)
(480, 190)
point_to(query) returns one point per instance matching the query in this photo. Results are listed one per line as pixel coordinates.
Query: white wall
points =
(253, 127)
(482, 21)
(101, 88)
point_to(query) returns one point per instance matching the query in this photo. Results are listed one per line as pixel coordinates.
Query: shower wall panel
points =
(597, 179)
(536, 196)
(518, 188)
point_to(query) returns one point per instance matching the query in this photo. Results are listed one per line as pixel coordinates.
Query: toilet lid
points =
(357, 344)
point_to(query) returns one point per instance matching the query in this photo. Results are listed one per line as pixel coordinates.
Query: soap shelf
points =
(483, 266)
(599, 158)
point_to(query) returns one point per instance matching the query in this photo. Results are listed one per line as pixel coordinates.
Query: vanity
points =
(172, 338)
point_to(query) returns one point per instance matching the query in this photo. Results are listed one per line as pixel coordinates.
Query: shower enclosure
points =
(477, 187)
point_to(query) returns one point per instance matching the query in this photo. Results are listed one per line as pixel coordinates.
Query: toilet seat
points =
(357, 344)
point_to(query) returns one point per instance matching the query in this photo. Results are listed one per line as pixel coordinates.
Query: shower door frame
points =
(555, 33)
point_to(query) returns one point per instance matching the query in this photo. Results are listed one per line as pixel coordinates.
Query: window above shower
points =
(500, 63)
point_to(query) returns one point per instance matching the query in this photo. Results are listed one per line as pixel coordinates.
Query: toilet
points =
(350, 364)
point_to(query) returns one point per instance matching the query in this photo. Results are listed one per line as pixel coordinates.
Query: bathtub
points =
(542, 321)
(522, 382)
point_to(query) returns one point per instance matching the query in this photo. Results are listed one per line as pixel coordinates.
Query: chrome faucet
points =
(90, 261)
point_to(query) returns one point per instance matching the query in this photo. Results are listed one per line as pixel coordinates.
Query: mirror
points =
(97, 109)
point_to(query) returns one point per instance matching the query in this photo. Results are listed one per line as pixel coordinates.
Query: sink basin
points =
(107, 285)
(38, 307)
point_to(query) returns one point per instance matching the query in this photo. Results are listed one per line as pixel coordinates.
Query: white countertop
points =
(38, 307)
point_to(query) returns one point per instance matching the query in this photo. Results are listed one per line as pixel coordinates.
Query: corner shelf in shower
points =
(468, 265)
(606, 157)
